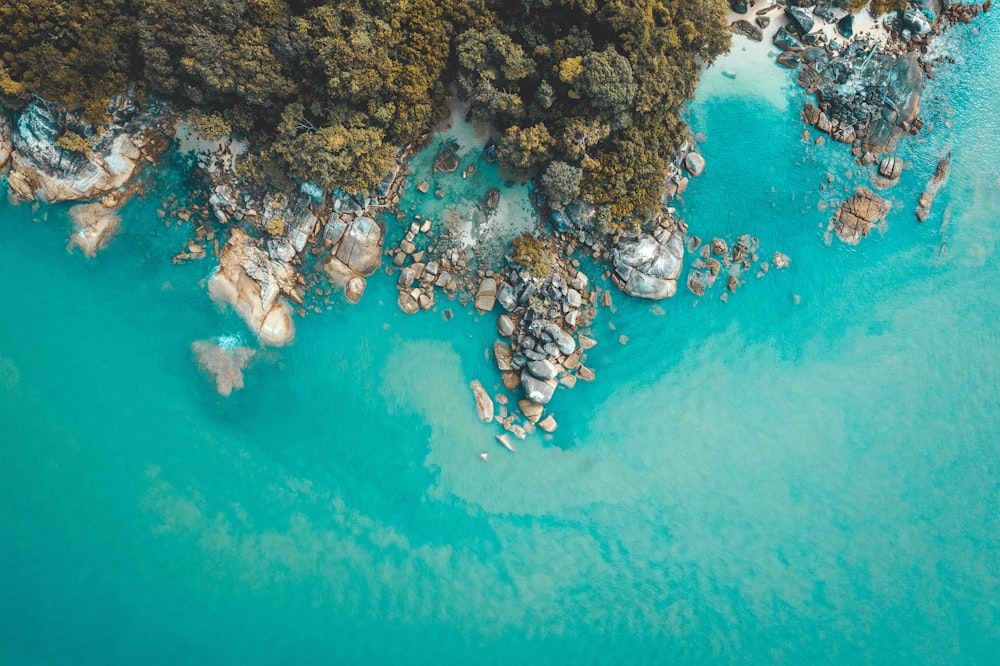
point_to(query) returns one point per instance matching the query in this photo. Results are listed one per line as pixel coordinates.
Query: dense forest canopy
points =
(586, 94)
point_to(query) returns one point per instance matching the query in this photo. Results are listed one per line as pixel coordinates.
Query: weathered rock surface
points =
(694, 163)
(931, 189)
(786, 41)
(866, 96)
(486, 295)
(6, 143)
(890, 167)
(252, 282)
(223, 361)
(484, 404)
(360, 248)
(42, 170)
(856, 216)
(747, 29)
(94, 225)
(800, 19)
(647, 266)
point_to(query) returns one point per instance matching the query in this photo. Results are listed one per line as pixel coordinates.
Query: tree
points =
(562, 183)
(523, 149)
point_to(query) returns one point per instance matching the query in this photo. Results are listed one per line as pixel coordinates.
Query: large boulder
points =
(361, 246)
(250, 281)
(694, 163)
(484, 404)
(647, 268)
(845, 26)
(785, 41)
(343, 276)
(856, 216)
(537, 390)
(486, 296)
(800, 19)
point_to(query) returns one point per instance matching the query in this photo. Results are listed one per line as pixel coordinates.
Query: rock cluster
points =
(866, 96)
(40, 169)
(856, 216)
(647, 265)
(931, 189)
(717, 259)
(542, 316)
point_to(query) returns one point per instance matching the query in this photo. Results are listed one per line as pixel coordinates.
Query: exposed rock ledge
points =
(252, 282)
(42, 170)
(6, 145)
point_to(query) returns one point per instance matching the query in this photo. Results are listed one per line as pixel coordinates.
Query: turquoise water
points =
(769, 480)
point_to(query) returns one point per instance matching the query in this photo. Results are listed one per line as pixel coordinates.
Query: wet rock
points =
(719, 247)
(915, 21)
(484, 405)
(800, 19)
(890, 167)
(694, 163)
(486, 296)
(585, 374)
(645, 267)
(779, 260)
(408, 303)
(542, 369)
(355, 289)
(511, 380)
(252, 282)
(537, 390)
(845, 26)
(548, 424)
(503, 355)
(531, 410)
(785, 41)
(505, 326)
(747, 29)
(361, 247)
(94, 225)
(854, 219)
(931, 189)
(695, 283)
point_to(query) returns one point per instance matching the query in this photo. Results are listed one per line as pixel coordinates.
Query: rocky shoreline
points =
(281, 250)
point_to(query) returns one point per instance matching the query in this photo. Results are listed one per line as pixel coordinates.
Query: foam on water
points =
(772, 480)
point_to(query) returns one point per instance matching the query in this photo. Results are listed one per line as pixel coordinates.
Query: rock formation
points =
(543, 311)
(648, 264)
(931, 189)
(856, 216)
(253, 283)
(41, 169)
(94, 225)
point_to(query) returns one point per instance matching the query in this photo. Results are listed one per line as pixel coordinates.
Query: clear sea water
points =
(806, 474)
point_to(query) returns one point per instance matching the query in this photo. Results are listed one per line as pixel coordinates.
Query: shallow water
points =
(807, 473)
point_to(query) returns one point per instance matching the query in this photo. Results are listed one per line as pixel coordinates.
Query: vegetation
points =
(530, 253)
(587, 94)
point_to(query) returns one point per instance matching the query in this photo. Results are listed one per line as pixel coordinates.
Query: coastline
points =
(268, 273)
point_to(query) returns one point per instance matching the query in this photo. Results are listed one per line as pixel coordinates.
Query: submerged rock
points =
(224, 360)
(931, 189)
(94, 225)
